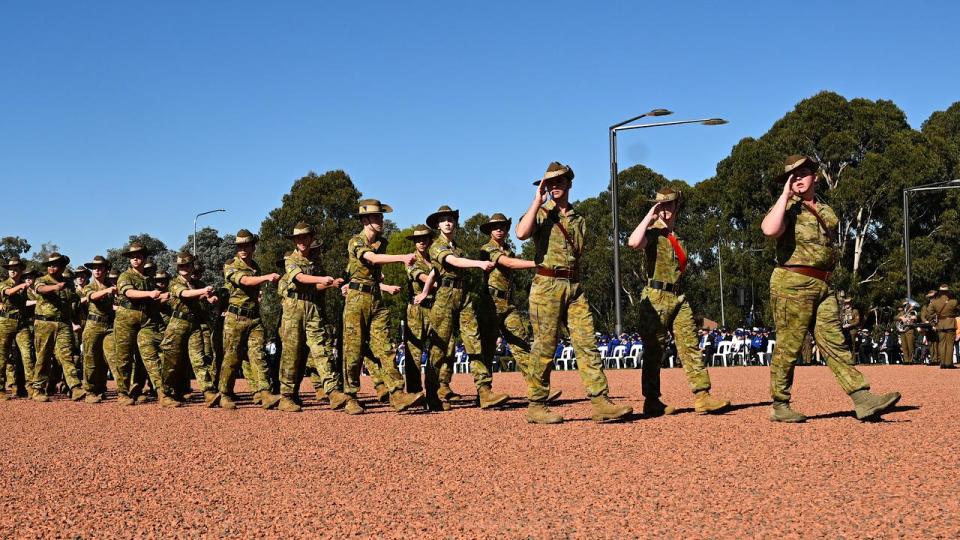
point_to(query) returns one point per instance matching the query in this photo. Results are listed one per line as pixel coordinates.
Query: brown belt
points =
(248, 313)
(362, 287)
(809, 271)
(559, 273)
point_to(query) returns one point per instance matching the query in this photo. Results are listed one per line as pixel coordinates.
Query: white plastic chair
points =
(603, 352)
(766, 356)
(617, 357)
(462, 363)
(566, 358)
(636, 353)
(724, 349)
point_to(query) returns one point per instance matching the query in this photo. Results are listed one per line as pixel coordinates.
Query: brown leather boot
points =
(401, 401)
(605, 410)
(654, 407)
(40, 397)
(338, 400)
(78, 393)
(447, 394)
(169, 402)
(352, 406)
(868, 406)
(268, 400)
(257, 398)
(211, 399)
(781, 412)
(383, 394)
(287, 404)
(227, 402)
(538, 413)
(124, 400)
(705, 403)
(488, 398)
(92, 398)
(554, 395)
(322, 396)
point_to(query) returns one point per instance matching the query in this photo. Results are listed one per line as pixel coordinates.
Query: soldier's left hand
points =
(391, 289)
(212, 299)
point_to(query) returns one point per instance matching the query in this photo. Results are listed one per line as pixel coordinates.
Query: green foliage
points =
(45, 250)
(213, 251)
(13, 246)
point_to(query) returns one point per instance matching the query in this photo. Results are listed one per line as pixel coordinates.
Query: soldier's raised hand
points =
(788, 187)
(409, 259)
(486, 266)
(154, 294)
(273, 278)
(541, 194)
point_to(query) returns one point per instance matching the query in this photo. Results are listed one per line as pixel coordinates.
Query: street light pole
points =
(937, 186)
(615, 190)
(723, 314)
(195, 226)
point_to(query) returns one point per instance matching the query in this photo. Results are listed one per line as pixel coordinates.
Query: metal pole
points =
(195, 226)
(906, 236)
(615, 217)
(723, 315)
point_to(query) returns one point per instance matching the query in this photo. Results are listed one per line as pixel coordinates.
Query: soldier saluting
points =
(801, 297)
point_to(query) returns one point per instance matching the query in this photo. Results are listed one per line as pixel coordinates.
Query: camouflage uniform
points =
(453, 307)
(243, 330)
(417, 329)
(663, 308)
(944, 307)
(53, 334)
(302, 327)
(96, 356)
(185, 335)
(801, 303)
(560, 301)
(366, 320)
(14, 330)
(496, 303)
(134, 330)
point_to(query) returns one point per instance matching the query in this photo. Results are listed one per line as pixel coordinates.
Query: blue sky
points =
(128, 117)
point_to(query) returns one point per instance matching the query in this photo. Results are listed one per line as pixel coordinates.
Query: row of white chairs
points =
(730, 355)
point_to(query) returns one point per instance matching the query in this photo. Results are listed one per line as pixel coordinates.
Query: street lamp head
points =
(954, 182)
(714, 122)
(659, 112)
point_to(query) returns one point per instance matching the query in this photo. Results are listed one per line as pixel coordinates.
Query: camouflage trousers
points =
(13, 333)
(53, 340)
(366, 335)
(662, 312)
(134, 331)
(555, 304)
(801, 303)
(182, 340)
(243, 347)
(908, 341)
(96, 357)
(303, 332)
(453, 309)
(415, 336)
(500, 318)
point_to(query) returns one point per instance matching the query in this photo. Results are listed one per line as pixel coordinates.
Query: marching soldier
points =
(13, 328)
(801, 297)
(664, 308)
(242, 326)
(906, 326)
(943, 317)
(133, 328)
(99, 297)
(417, 324)
(303, 325)
(557, 298)
(452, 308)
(53, 329)
(366, 320)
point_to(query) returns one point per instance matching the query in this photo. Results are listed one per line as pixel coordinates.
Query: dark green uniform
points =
(243, 330)
(99, 324)
(53, 336)
(134, 330)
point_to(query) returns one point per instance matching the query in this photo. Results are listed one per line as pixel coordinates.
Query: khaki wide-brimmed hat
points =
(943, 287)
(148, 265)
(135, 248)
(184, 258)
(82, 271)
(554, 170)
(56, 258)
(300, 229)
(99, 260)
(161, 276)
(666, 195)
(14, 262)
(794, 162)
(244, 237)
(113, 275)
(420, 232)
(931, 293)
(68, 274)
(434, 218)
(496, 219)
(373, 206)
(30, 271)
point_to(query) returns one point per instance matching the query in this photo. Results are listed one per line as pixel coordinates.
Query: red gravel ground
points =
(73, 469)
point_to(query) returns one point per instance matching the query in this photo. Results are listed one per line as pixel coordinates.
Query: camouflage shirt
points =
(500, 277)
(440, 249)
(15, 303)
(295, 264)
(54, 304)
(553, 249)
(662, 262)
(421, 267)
(103, 306)
(359, 270)
(131, 280)
(241, 296)
(805, 242)
(192, 306)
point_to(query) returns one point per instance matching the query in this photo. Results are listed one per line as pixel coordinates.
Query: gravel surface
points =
(74, 469)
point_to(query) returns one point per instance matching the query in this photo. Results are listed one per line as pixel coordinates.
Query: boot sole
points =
(551, 422)
(882, 408)
(414, 403)
(495, 403)
(800, 420)
(715, 410)
(271, 405)
(604, 418)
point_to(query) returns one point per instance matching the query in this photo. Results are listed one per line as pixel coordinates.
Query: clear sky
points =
(125, 117)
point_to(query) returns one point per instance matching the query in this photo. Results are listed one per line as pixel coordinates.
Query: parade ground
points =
(80, 470)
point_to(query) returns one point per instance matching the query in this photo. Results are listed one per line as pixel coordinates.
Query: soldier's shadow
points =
(732, 408)
(872, 420)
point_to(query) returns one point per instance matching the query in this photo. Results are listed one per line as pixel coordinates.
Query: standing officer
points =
(13, 328)
(366, 320)
(801, 297)
(664, 309)
(943, 316)
(99, 295)
(303, 327)
(850, 323)
(242, 326)
(133, 329)
(452, 308)
(906, 324)
(557, 298)
(928, 329)
(53, 329)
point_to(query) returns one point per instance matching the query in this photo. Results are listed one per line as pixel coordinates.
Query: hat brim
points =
(491, 225)
(672, 198)
(140, 252)
(245, 240)
(94, 264)
(18, 264)
(63, 260)
(384, 209)
(567, 173)
(416, 236)
(434, 218)
(782, 177)
(295, 235)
